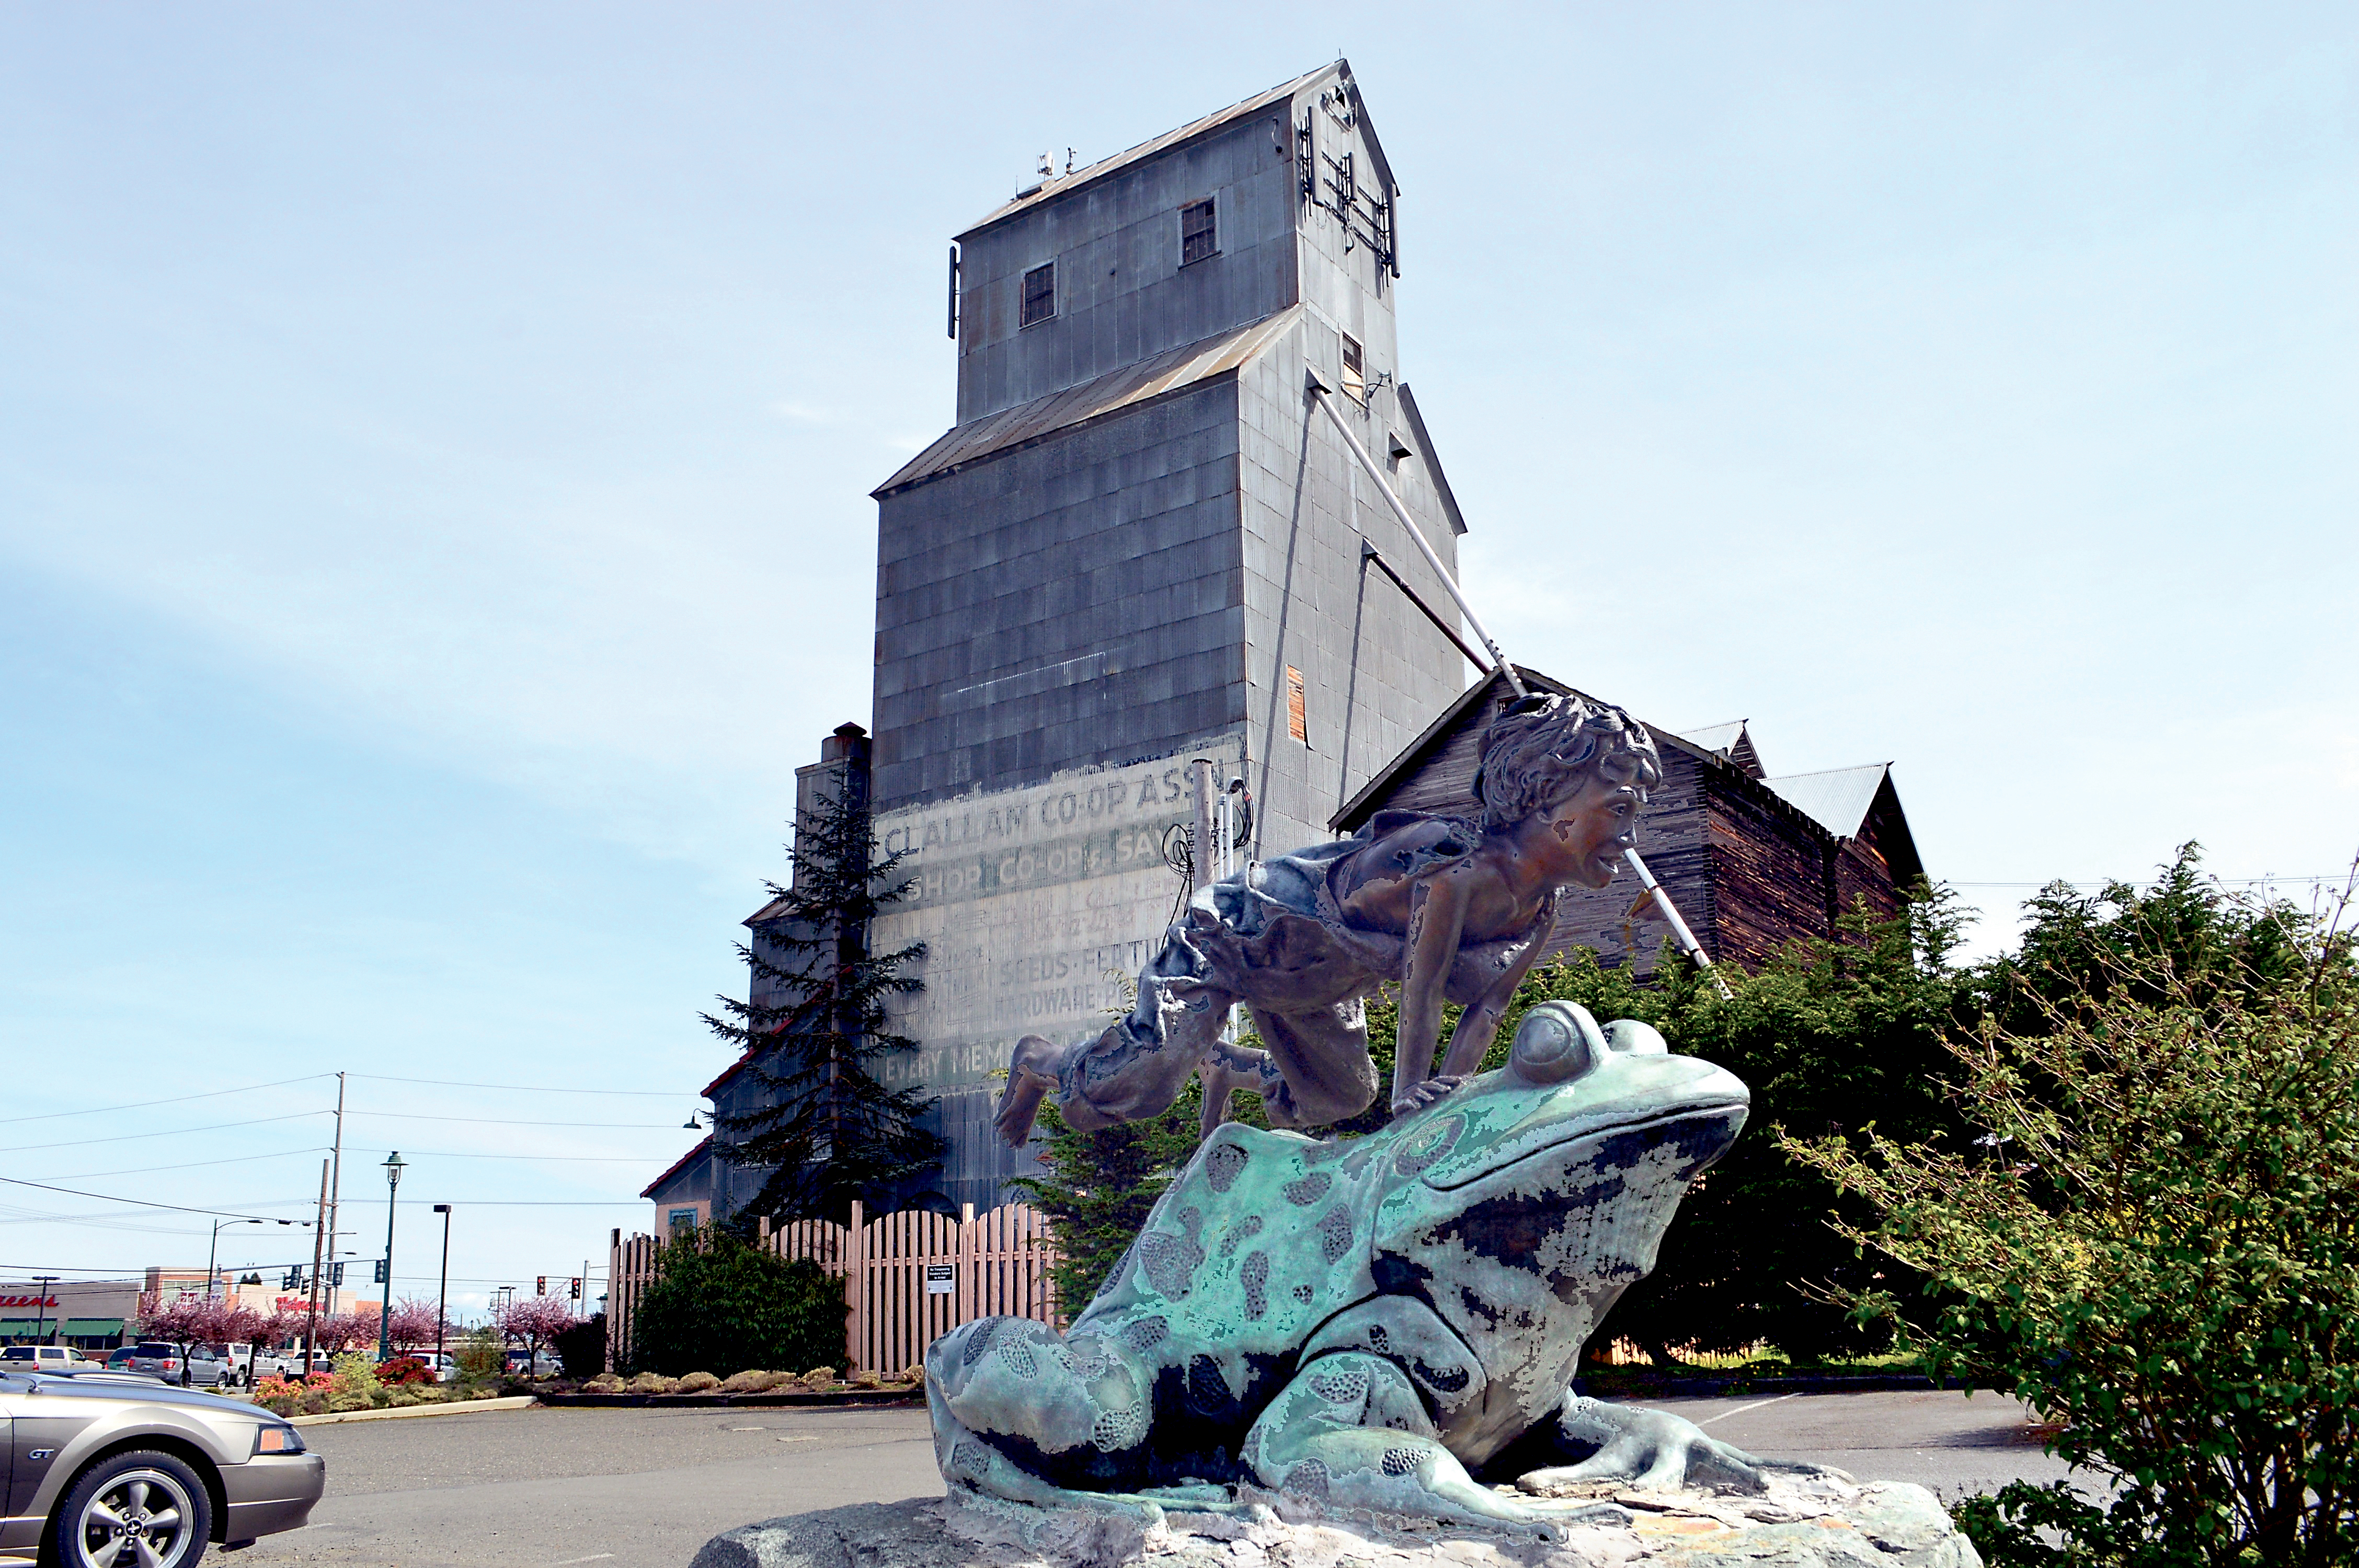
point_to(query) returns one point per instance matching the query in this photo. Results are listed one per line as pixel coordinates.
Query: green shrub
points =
(352, 1385)
(581, 1350)
(2155, 1239)
(719, 1304)
(480, 1357)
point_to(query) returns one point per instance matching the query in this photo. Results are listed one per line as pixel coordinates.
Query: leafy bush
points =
(480, 1357)
(352, 1385)
(716, 1301)
(581, 1350)
(2155, 1239)
(404, 1369)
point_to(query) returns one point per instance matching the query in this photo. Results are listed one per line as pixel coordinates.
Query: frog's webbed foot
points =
(1644, 1448)
(1430, 1092)
(1351, 1431)
(1031, 1074)
(1083, 1402)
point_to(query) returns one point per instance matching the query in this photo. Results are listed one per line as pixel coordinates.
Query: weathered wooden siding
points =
(1770, 871)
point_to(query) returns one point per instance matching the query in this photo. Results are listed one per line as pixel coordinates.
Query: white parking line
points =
(593, 1557)
(1741, 1409)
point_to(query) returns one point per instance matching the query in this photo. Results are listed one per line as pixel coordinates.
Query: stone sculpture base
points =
(1818, 1519)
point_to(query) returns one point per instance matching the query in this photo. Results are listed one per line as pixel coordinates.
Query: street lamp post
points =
(212, 1255)
(394, 1165)
(442, 1297)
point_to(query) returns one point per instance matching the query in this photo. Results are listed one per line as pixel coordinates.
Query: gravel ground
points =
(644, 1488)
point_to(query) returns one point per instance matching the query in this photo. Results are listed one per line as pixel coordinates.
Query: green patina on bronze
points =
(1364, 1323)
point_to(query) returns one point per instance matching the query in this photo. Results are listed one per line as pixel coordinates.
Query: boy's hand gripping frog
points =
(1365, 1324)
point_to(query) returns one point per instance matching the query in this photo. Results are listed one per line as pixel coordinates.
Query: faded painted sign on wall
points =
(1036, 906)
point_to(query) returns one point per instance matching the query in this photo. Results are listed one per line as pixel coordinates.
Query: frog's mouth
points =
(1702, 1126)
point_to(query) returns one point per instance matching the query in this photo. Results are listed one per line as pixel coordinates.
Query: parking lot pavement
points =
(644, 1488)
(1949, 1443)
(617, 1488)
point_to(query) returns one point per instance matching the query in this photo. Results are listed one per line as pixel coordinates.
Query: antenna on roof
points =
(1069, 160)
(1047, 165)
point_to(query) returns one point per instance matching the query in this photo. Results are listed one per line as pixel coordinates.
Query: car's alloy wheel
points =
(136, 1510)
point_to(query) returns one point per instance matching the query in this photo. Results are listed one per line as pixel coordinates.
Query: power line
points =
(455, 1155)
(195, 1164)
(176, 1100)
(507, 1120)
(2131, 881)
(162, 1132)
(135, 1203)
(530, 1089)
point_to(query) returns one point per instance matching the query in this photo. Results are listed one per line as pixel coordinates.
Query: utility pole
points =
(336, 1186)
(41, 1283)
(319, 1240)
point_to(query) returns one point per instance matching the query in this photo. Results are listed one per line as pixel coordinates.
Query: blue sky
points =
(434, 448)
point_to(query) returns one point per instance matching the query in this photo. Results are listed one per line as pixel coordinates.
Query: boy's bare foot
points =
(1031, 1074)
(1425, 1094)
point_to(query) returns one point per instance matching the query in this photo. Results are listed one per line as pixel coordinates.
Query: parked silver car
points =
(201, 1368)
(108, 1471)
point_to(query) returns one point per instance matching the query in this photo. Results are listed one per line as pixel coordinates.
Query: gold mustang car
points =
(110, 1470)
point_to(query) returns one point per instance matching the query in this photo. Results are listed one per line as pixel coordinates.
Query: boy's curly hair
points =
(1544, 748)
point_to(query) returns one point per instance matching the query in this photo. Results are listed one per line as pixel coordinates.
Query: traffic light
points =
(294, 1279)
(541, 1284)
(376, 1275)
(576, 1291)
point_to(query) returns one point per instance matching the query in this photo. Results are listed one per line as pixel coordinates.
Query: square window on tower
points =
(1198, 236)
(1355, 371)
(1040, 293)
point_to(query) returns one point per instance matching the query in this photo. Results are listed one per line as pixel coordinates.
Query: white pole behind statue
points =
(1323, 395)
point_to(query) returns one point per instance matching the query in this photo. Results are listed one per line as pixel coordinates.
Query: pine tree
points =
(832, 1133)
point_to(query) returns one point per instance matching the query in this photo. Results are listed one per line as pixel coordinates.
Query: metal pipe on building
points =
(1200, 862)
(1323, 395)
(1686, 938)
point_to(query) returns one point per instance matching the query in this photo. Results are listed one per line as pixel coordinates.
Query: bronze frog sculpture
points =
(1366, 1323)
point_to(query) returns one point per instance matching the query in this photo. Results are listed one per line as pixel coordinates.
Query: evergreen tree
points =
(832, 1133)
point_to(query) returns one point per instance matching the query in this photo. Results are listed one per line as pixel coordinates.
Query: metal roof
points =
(1837, 799)
(1174, 369)
(703, 1145)
(1058, 185)
(1715, 737)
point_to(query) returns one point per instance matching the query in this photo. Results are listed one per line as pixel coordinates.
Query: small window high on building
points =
(1355, 371)
(1040, 293)
(1198, 236)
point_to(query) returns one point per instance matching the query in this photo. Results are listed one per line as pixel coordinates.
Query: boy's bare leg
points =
(1031, 1074)
(1132, 1070)
(1227, 1068)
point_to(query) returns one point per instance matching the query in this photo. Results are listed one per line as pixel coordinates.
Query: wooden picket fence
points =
(908, 1277)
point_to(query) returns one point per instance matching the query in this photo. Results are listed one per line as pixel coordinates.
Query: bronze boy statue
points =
(1452, 909)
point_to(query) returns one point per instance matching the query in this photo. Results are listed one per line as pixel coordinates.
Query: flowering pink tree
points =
(346, 1331)
(192, 1321)
(415, 1325)
(534, 1320)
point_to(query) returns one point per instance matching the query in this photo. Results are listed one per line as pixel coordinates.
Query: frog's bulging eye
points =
(1633, 1038)
(1557, 1042)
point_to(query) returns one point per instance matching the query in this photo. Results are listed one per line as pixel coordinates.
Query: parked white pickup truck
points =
(46, 1358)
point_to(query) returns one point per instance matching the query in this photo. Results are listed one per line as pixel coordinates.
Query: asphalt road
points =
(643, 1489)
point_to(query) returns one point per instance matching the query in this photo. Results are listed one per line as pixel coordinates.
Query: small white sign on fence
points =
(941, 1279)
